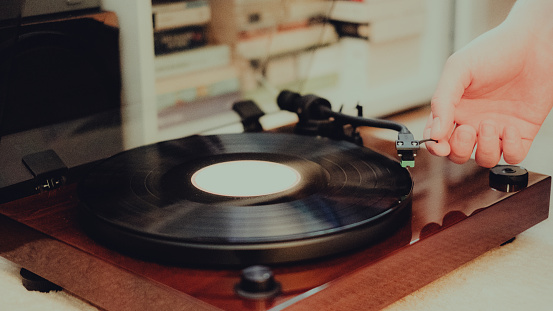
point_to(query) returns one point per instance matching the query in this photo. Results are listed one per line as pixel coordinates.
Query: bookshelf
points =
(397, 67)
(137, 69)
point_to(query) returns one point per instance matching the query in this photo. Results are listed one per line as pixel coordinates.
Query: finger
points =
(462, 144)
(428, 125)
(514, 151)
(453, 81)
(439, 128)
(488, 151)
(440, 148)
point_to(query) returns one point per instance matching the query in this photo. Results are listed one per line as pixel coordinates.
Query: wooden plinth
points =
(456, 217)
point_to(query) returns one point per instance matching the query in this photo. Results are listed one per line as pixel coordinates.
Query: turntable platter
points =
(336, 196)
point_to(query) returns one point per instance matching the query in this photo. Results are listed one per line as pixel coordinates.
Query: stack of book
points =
(179, 25)
(277, 41)
(390, 31)
(378, 20)
(194, 77)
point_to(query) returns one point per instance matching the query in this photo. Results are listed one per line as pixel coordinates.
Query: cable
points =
(359, 121)
(311, 108)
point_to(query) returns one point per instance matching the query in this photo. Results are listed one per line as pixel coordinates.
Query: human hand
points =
(494, 95)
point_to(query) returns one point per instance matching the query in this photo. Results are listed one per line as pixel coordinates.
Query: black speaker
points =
(57, 68)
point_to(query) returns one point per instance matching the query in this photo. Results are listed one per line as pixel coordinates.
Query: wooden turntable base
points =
(456, 217)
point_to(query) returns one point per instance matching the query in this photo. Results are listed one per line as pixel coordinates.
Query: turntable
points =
(345, 227)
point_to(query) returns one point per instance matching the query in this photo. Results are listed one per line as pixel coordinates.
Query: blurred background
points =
(90, 78)
(184, 63)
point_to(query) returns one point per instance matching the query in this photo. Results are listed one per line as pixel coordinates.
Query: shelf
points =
(398, 71)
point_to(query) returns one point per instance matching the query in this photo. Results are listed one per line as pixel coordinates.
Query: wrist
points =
(533, 17)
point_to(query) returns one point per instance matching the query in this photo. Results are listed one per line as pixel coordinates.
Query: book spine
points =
(252, 16)
(196, 111)
(180, 14)
(194, 79)
(189, 87)
(201, 58)
(256, 15)
(303, 65)
(179, 39)
(286, 41)
(368, 11)
(299, 10)
(192, 94)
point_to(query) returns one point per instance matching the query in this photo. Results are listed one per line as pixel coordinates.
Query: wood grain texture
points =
(455, 218)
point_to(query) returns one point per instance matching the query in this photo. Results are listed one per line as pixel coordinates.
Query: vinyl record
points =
(170, 202)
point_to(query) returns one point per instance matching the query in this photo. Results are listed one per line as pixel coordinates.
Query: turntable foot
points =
(257, 282)
(511, 240)
(33, 282)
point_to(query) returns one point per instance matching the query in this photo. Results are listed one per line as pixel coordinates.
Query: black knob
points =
(288, 100)
(508, 178)
(307, 107)
(257, 282)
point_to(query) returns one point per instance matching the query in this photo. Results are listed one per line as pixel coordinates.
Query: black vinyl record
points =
(144, 201)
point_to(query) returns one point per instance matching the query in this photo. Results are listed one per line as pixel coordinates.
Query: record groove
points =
(143, 202)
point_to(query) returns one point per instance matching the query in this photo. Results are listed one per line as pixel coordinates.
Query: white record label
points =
(245, 178)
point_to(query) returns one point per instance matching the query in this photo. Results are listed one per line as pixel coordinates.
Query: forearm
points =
(534, 17)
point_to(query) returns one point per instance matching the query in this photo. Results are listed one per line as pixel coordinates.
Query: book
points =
(193, 115)
(384, 24)
(372, 10)
(201, 58)
(303, 65)
(182, 89)
(180, 14)
(253, 15)
(284, 41)
(233, 17)
(179, 39)
(299, 10)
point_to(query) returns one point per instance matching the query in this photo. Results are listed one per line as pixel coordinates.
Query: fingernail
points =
(465, 137)
(487, 129)
(510, 134)
(436, 128)
(426, 133)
